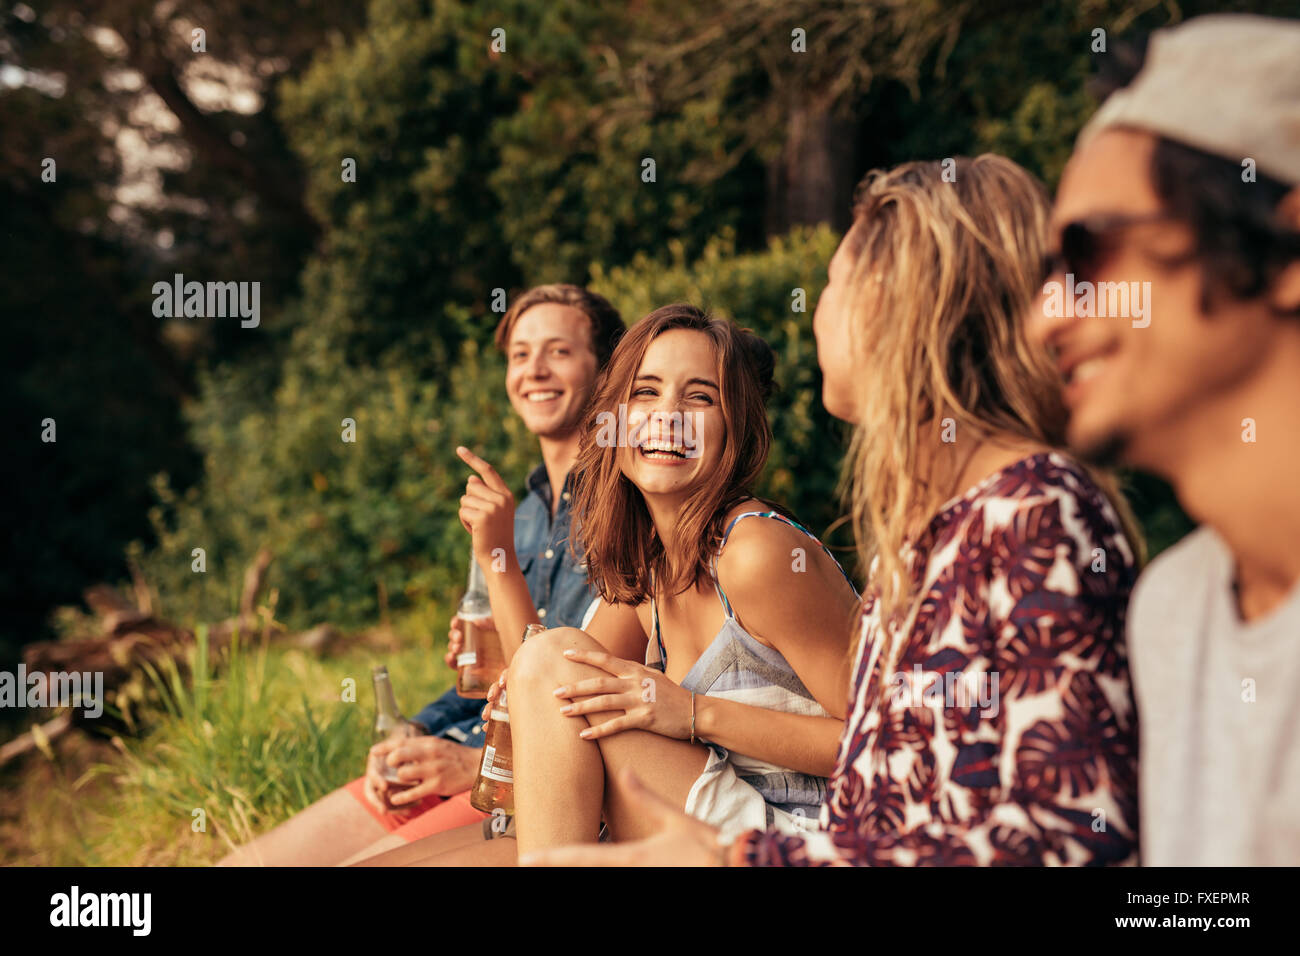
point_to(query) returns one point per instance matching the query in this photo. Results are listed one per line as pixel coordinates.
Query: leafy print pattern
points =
(1008, 588)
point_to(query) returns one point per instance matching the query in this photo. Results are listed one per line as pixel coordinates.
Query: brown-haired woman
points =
(991, 718)
(743, 625)
(745, 618)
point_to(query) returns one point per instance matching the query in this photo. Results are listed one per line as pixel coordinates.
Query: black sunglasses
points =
(1087, 243)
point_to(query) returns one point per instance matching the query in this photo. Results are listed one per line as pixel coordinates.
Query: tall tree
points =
(126, 155)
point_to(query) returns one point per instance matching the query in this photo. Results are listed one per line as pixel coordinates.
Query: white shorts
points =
(721, 799)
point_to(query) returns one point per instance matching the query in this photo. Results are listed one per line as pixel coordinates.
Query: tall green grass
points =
(248, 738)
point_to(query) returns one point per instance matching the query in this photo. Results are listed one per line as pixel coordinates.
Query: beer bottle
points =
(480, 660)
(494, 789)
(389, 722)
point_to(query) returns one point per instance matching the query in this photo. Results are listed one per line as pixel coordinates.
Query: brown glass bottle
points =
(494, 790)
(480, 661)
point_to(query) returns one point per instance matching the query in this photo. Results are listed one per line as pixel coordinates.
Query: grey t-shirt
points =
(1219, 709)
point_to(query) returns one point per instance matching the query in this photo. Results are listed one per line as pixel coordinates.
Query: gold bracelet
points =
(692, 717)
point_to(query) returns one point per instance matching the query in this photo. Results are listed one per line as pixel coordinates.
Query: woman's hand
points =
(681, 840)
(493, 693)
(648, 700)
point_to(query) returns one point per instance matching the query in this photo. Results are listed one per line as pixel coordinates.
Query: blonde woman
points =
(991, 718)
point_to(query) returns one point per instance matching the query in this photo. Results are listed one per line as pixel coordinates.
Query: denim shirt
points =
(557, 583)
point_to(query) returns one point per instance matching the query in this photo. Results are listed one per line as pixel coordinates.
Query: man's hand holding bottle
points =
(426, 766)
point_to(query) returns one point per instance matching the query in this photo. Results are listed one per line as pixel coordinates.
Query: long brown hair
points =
(612, 524)
(950, 266)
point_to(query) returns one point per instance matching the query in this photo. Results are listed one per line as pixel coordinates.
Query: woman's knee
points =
(540, 663)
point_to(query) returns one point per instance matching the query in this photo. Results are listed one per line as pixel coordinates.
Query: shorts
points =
(431, 815)
(721, 799)
(499, 826)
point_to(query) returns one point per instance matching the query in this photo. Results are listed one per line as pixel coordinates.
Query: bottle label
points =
(493, 772)
(501, 715)
(467, 659)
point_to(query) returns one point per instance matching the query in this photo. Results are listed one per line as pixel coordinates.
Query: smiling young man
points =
(556, 339)
(1187, 179)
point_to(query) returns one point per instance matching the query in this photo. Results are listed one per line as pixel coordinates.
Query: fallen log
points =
(131, 637)
(116, 655)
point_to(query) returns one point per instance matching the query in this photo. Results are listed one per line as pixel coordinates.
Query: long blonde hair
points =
(948, 259)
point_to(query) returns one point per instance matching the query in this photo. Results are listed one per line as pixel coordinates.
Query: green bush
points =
(345, 521)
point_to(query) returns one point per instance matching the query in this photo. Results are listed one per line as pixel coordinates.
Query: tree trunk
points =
(812, 180)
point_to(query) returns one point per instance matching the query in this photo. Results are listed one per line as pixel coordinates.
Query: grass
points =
(255, 735)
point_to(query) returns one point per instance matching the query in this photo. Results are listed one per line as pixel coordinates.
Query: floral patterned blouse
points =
(1006, 734)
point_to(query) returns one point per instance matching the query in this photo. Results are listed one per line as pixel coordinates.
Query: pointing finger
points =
(485, 471)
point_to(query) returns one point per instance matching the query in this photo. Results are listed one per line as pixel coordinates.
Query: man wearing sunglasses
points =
(1187, 179)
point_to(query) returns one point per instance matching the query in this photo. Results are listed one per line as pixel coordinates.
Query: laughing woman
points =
(991, 718)
(718, 663)
(736, 712)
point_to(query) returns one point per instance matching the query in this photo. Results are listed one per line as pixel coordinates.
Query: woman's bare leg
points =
(390, 842)
(562, 782)
(503, 852)
(332, 829)
(414, 853)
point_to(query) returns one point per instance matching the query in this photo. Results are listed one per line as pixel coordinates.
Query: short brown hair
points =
(606, 323)
(609, 514)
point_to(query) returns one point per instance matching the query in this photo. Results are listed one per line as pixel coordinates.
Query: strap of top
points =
(656, 656)
(713, 565)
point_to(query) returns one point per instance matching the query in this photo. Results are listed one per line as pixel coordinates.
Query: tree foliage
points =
(478, 167)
